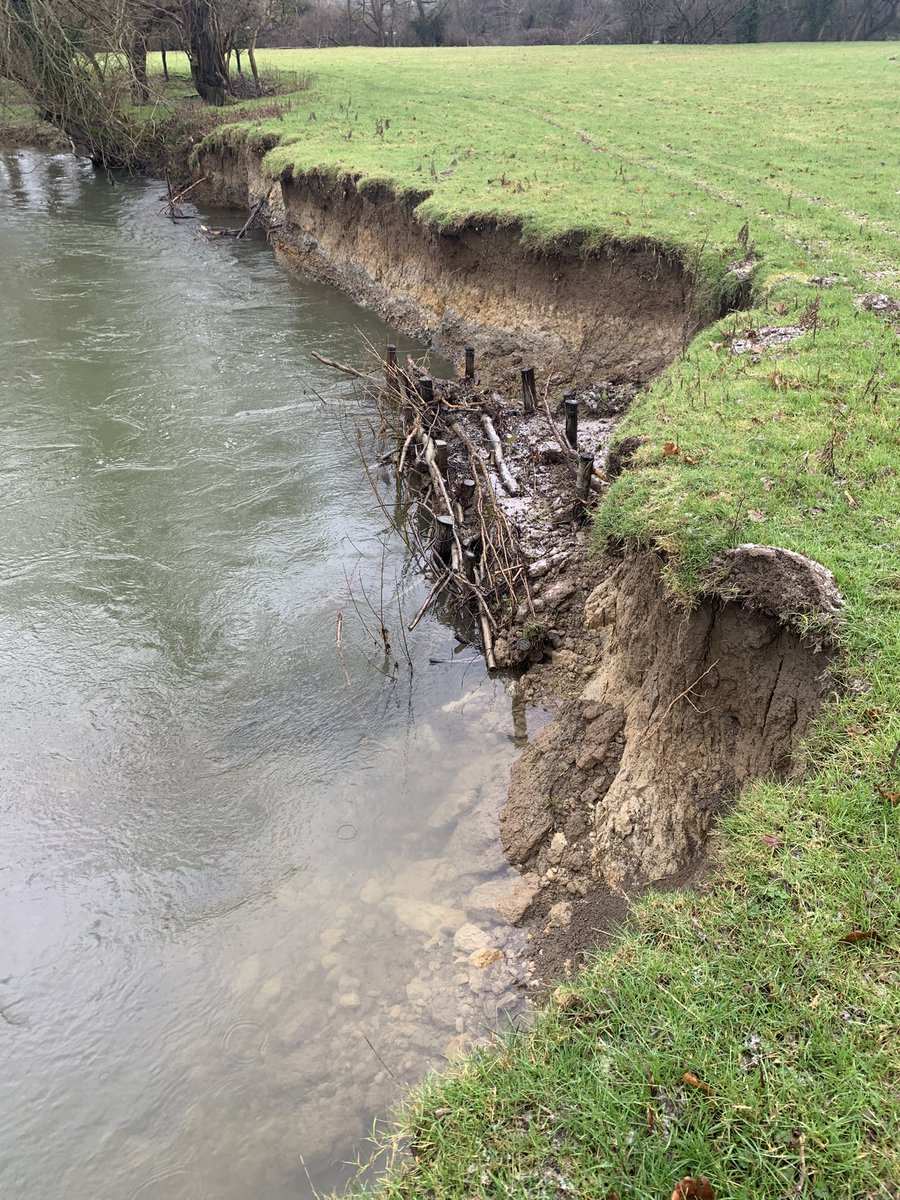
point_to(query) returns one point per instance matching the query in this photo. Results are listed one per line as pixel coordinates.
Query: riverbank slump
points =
(683, 710)
(619, 312)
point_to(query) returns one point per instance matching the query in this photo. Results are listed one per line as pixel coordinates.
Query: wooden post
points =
(441, 455)
(583, 478)
(470, 363)
(467, 491)
(425, 389)
(529, 391)
(468, 564)
(443, 537)
(570, 403)
(390, 369)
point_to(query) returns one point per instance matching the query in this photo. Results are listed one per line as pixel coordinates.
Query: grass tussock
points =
(748, 1034)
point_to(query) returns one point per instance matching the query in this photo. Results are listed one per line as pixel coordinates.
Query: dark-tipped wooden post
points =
(570, 404)
(443, 537)
(390, 368)
(470, 363)
(583, 478)
(425, 389)
(441, 455)
(529, 391)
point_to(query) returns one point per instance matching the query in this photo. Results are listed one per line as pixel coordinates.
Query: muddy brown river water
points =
(241, 874)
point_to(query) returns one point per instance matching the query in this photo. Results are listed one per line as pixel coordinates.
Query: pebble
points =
(469, 938)
(331, 937)
(484, 958)
(558, 844)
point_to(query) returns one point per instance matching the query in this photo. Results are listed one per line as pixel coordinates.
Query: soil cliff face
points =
(684, 709)
(618, 312)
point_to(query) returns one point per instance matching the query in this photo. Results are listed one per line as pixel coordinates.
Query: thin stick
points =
(409, 439)
(381, 1060)
(312, 1186)
(254, 213)
(180, 196)
(336, 366)
(442, 579)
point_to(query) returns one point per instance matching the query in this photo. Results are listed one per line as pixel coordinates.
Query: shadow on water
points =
(243, 874)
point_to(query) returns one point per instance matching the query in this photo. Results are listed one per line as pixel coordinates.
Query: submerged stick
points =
(438, 584)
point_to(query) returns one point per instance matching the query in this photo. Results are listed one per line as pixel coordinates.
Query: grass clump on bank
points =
(748, 1034)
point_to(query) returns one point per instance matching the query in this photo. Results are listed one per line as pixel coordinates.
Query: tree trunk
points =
(137, 65)
(251, 57)
(209, 70)
(165, 65)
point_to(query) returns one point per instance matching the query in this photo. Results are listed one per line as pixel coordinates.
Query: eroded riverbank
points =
(431, 913)
(599, 807)
(615, 312)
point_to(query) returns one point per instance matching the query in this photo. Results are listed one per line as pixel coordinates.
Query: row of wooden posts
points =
(443, 523)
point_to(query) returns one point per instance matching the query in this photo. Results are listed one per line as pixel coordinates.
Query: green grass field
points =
(750, 988)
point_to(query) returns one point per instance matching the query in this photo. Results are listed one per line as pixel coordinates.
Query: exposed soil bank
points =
(684, 709)
(614, 313)
(666, 715)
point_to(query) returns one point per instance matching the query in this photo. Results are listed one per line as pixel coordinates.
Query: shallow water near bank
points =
(235, 853)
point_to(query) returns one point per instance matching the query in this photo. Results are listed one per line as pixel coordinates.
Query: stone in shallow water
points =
(372, 893)
(248, 973)
(425, 917)
(484, 958)
(270, 989)
(469, 938)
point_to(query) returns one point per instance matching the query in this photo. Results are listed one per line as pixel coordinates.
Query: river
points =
(235, 855)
